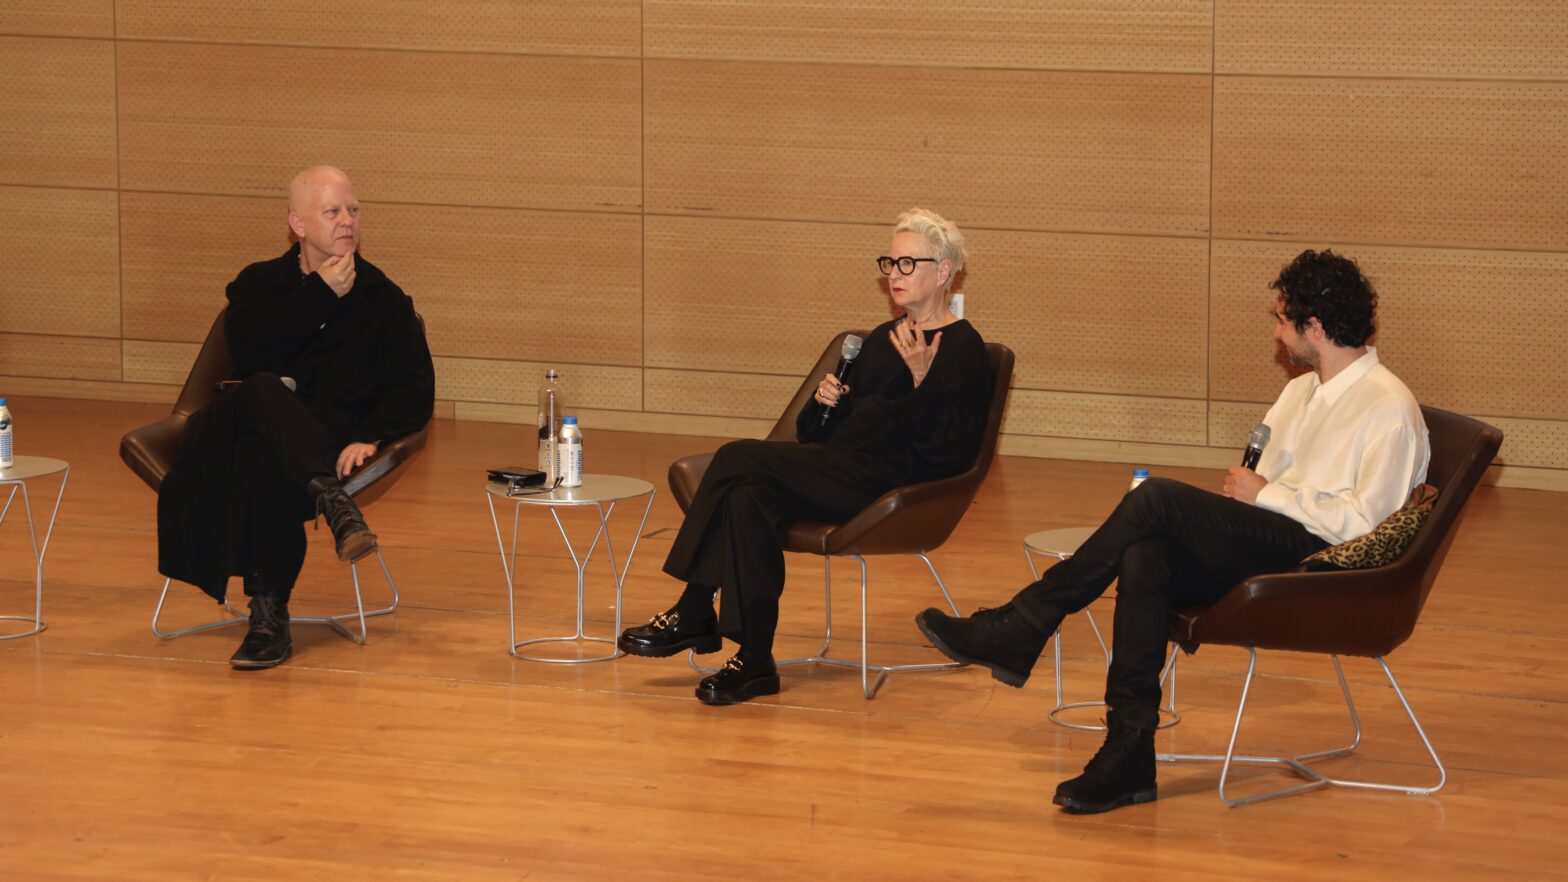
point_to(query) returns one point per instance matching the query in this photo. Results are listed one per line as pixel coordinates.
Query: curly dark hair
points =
(1330, 288)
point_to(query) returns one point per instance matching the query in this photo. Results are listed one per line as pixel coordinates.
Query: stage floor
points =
(431, 753)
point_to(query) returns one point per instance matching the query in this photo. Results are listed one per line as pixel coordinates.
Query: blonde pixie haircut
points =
(941, 234)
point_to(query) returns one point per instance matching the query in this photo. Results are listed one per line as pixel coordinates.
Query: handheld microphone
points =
(1256, 441)
(846, 360)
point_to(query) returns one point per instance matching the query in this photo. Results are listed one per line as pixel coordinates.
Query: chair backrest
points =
(213, 365)
(918, 517)
(1366, 612)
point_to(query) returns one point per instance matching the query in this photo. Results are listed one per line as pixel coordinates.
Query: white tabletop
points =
(1062, 543)
(24, 467)
(594, 489)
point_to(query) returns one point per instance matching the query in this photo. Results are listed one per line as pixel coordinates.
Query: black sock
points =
(696, 602)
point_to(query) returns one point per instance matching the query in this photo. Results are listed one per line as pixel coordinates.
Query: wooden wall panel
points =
(180, 251)
(415, 127)
(1127, 35)
(57, 112)
(578, 27)
(1392, 162)
(511, 284)
(1231, 421)
(517, 382)
(757, 296)
(1039, 150)
(60, 261)
(1474, 331)
(145, 361)
(1521, 39)
(1094, 313)
(58, 18)
(1106, 417)
(714, 393)
(78, 358)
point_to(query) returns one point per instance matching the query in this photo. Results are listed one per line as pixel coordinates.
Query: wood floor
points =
(431, 754)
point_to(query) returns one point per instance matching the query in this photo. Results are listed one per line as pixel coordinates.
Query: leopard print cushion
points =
(1386, 541)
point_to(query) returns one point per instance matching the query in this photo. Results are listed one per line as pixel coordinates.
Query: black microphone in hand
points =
(1256, 441)
(846, 360)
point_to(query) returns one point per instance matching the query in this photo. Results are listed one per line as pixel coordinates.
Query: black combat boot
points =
(353, 537)
(267, 644)
(999, 639)
(1122, 773)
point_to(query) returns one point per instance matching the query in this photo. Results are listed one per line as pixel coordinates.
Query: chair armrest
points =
(919, 517)
(685, 475)
(1345, 612)
(151, 450)
(380, 471)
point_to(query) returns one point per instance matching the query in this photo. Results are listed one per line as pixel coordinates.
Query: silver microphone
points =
(846, 360)
(1256, 441)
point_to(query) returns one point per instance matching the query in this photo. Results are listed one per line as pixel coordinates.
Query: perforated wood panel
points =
(757, 296)
(711, 393)
(1524, 39)
(59, 261)
(415, 127)
(1533, 442)
(511, 284)
(1473, 331)
(58, 18)
(580, 27)
(56, 112)
(173, 290)
(1047, 150)
(1094, 313)
(144, 361)
(1231, 421)
(517, 382)
(1142, 35)
(40, 355)
(1392, 162)
(1107, 417)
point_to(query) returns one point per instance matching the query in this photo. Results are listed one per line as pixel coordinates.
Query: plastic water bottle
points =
(1139, 475)
(571, 453)
(552, 405)
(5, 436)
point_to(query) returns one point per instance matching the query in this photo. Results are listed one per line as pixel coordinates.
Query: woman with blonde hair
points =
(915, 412)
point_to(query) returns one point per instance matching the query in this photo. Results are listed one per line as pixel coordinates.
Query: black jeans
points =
(1167, 543)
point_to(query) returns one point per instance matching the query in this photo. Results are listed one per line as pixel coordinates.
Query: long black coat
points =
(364, 373)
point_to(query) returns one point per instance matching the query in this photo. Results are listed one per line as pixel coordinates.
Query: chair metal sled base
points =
(868, 686)
(1298, 764)
(337, 623)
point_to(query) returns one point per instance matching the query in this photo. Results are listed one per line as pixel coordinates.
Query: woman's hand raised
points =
(911, 345)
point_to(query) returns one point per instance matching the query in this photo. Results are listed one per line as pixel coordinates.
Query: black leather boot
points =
(1121, 773)
(353, 537)
(267, 644)
(999, 639)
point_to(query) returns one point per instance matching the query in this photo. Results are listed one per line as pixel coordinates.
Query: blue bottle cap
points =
(1140, 472)
(2, 402)
(568, 421)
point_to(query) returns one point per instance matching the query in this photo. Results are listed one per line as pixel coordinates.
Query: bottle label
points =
(572, 464)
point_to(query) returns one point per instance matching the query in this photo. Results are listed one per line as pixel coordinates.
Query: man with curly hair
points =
(1347, 446)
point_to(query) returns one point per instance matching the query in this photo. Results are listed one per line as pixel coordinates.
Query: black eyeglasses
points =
(906, 265)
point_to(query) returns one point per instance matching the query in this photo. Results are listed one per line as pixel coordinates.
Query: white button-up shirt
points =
(1343, 455)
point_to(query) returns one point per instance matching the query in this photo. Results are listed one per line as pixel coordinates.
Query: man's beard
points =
(1306, 359)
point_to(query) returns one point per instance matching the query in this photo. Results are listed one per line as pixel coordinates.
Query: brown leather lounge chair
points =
(910, 520)
(150, 451)
(1367, 612)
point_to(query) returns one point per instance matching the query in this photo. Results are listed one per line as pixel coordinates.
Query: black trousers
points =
(1167, 543)
(236, 503)
(735, 528)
